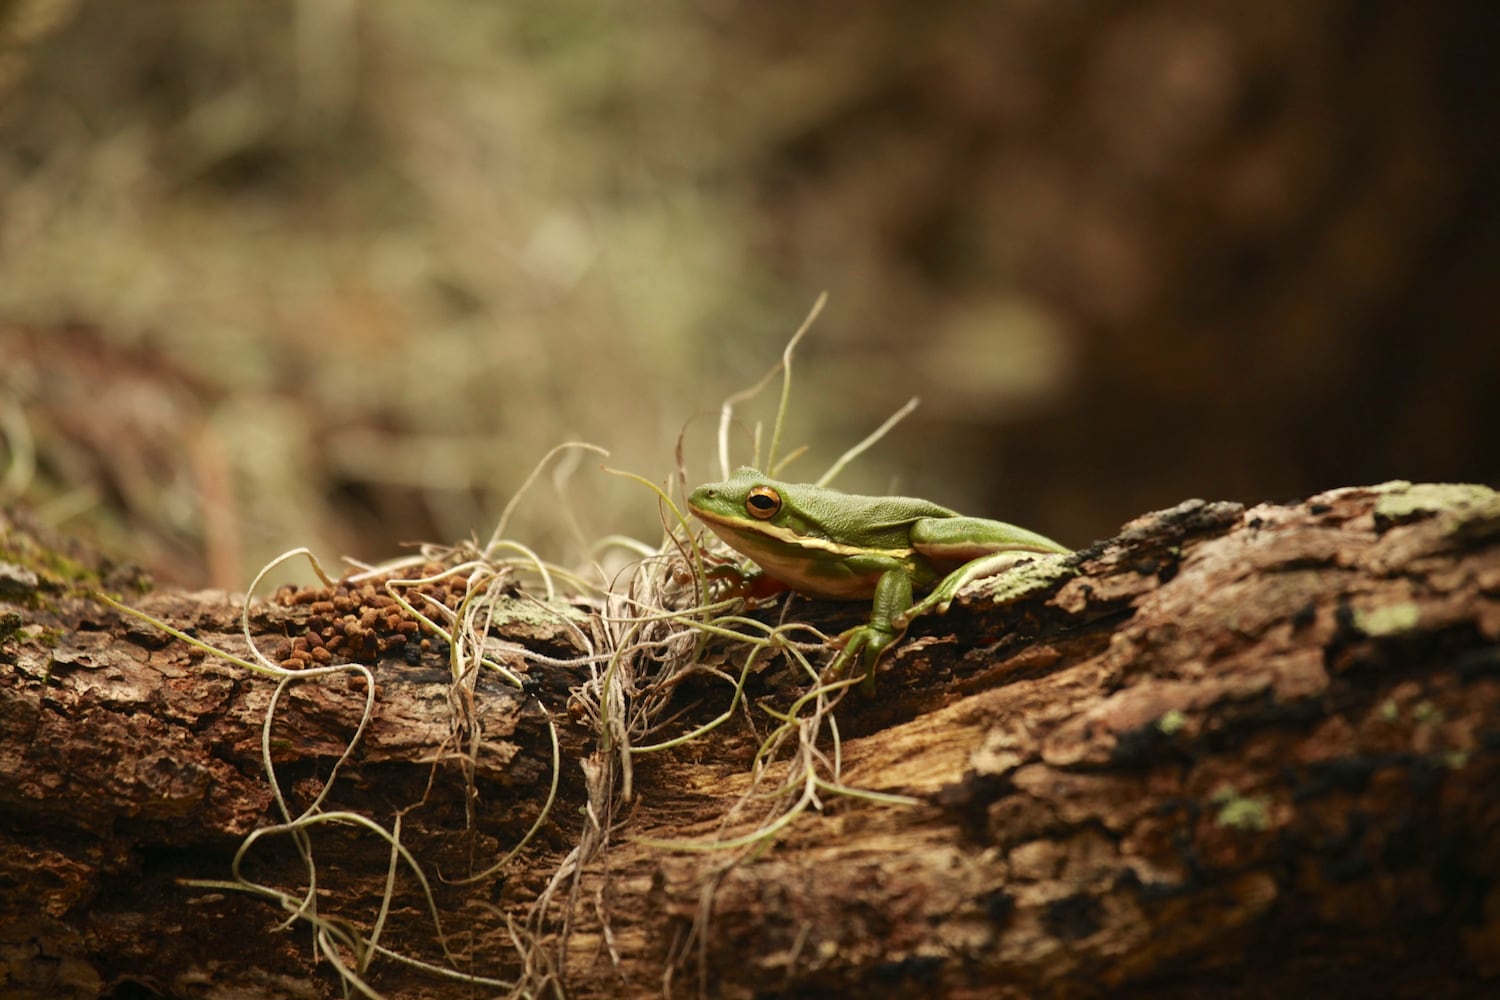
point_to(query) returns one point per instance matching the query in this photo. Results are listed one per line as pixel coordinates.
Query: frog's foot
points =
(727, 579)
(867, 642)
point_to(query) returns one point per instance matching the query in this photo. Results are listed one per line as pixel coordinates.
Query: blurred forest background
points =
(337, 273)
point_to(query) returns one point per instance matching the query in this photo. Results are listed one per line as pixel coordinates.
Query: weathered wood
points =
(1238, 752)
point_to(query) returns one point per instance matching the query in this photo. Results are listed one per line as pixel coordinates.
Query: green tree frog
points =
(824, 543)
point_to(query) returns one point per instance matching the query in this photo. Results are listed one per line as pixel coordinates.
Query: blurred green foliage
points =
(362, 264)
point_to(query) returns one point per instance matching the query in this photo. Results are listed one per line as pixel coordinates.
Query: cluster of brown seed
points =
(357, 623)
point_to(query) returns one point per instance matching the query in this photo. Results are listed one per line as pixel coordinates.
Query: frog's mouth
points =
(811, 565)
(782, 544)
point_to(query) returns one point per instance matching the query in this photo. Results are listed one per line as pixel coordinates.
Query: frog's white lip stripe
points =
(789, 537)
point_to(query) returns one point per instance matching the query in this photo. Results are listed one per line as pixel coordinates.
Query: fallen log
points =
(1229, 751)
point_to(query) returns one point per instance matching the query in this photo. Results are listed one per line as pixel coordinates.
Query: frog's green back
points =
(820, 512)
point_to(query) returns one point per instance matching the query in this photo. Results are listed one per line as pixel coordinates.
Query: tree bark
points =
(1230, 752)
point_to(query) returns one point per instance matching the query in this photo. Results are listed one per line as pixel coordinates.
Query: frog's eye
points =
(763, 503)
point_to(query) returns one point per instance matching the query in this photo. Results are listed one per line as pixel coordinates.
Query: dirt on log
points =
(1230, 752)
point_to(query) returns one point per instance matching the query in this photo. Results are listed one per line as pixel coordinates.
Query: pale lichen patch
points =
(1388, 620)
(1037, 574)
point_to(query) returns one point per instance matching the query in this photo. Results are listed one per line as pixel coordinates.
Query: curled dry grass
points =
(647, 629)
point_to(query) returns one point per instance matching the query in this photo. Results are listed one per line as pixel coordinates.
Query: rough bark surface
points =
(1232, 752)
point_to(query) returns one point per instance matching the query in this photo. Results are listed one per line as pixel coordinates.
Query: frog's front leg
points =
(893, 596)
